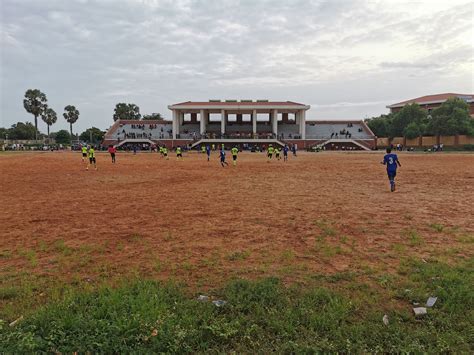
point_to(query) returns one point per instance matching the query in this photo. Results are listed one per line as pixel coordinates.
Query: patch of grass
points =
(327, 230)
(7, 293)
(466, 239)
(413, 237)
(6, 254)
(61, 247)
(238, 255)
(260, 316)
(287, 255)
(30, 255)
(399, 248)
(437, 227)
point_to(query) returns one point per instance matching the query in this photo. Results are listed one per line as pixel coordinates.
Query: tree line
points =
(35, 102)
(412, 121)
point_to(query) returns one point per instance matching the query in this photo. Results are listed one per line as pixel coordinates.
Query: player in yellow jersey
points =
(84, 153)
(270, 151)
(277, 153)
(234, 152)
(92, 158)
(165, 153)
(179, 153)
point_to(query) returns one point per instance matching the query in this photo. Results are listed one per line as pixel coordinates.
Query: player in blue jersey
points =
(208, 151)
(391, 161)
(285, 153)
(222, 154)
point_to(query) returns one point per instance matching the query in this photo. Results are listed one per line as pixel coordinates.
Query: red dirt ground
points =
(192, 220)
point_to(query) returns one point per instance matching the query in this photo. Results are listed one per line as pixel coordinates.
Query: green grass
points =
(260, 316)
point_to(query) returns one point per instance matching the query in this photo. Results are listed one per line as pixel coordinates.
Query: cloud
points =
(347, 57)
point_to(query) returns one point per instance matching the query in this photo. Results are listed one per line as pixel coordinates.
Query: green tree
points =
(96, 134)
(63, 137)
(381, 126)
(125, 111)
(49, 117)
(22, 130)
(452, 118)
(71, 115)
(412, 113)
(35, 103)
(153, 116)
(412, 130)
(3, 133)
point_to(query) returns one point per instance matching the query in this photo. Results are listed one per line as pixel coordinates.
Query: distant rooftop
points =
(433, 99)
(246, 102)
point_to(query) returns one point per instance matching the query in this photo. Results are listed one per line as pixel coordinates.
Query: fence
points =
(427, 141)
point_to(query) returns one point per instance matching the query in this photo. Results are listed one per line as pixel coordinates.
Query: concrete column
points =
(275, 122)
(175, 123)
(254, 122)
(194, 117)
(203, 122)
(298, 121)
(303, 124)
(284, 117)
(223, 117)
(239, 118)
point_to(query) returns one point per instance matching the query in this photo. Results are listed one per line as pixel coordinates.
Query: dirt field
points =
(319, 213)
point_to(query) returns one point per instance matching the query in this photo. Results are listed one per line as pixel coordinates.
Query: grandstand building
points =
(430, 102)
(244, 122)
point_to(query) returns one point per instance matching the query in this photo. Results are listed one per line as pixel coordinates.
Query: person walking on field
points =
(92, 158)
(179, 153)
(277, 153)
(270, 151)
(285, 153)
(84, 153)
(222, 154)
(112, 150)
(234, 152)
(391, 161)
(208, 152)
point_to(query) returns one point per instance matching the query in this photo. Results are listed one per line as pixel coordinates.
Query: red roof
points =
(438, 98)
(233, 103)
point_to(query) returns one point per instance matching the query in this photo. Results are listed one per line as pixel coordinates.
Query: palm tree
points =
(49, 117)
(71, 115)
(35, 103)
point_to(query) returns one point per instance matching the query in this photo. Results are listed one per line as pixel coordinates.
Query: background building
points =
(431, 102)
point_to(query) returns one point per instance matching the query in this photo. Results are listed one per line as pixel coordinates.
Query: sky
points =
(347, 59)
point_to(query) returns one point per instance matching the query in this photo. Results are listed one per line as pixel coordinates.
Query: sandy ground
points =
(201, 223)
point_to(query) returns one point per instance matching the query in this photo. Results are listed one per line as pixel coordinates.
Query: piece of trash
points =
(416, 303)
(419, 311)
(12, 324)
(385, 319)
(219, 303)
(203, 298)
(154, 333)
(424, 261)
(431, 301)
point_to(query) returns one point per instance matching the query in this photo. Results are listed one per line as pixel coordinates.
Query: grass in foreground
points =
(263, 316)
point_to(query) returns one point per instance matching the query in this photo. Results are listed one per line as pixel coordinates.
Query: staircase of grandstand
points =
(231, 141)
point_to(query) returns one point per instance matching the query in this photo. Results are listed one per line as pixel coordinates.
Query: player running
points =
(91, 158)
(208, 152)
(84, 153)
(179, 153)
(222, 154)
(277, 153)
(391, 160)
(270, 151)
(203, 149)
(112, 150)
(285, 153)
(165, 152)
(234, 152)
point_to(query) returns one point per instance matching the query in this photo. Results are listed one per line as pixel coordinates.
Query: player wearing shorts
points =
(208, 152)
(165, 153)
(222, 154)
(179, 153)
(277, 153)
(203, 149)
(84, 153)
(112, 150)
(391, 161)
(285, 153)
(234, 152)
(161, 151)
(270, 151)
(92, 158)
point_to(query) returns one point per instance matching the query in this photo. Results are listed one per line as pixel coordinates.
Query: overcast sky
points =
(347, 59)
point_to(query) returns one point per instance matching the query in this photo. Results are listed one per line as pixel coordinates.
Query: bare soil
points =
(319, 213)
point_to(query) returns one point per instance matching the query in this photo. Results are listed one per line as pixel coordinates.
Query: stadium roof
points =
(433, 99)
(239, 104)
